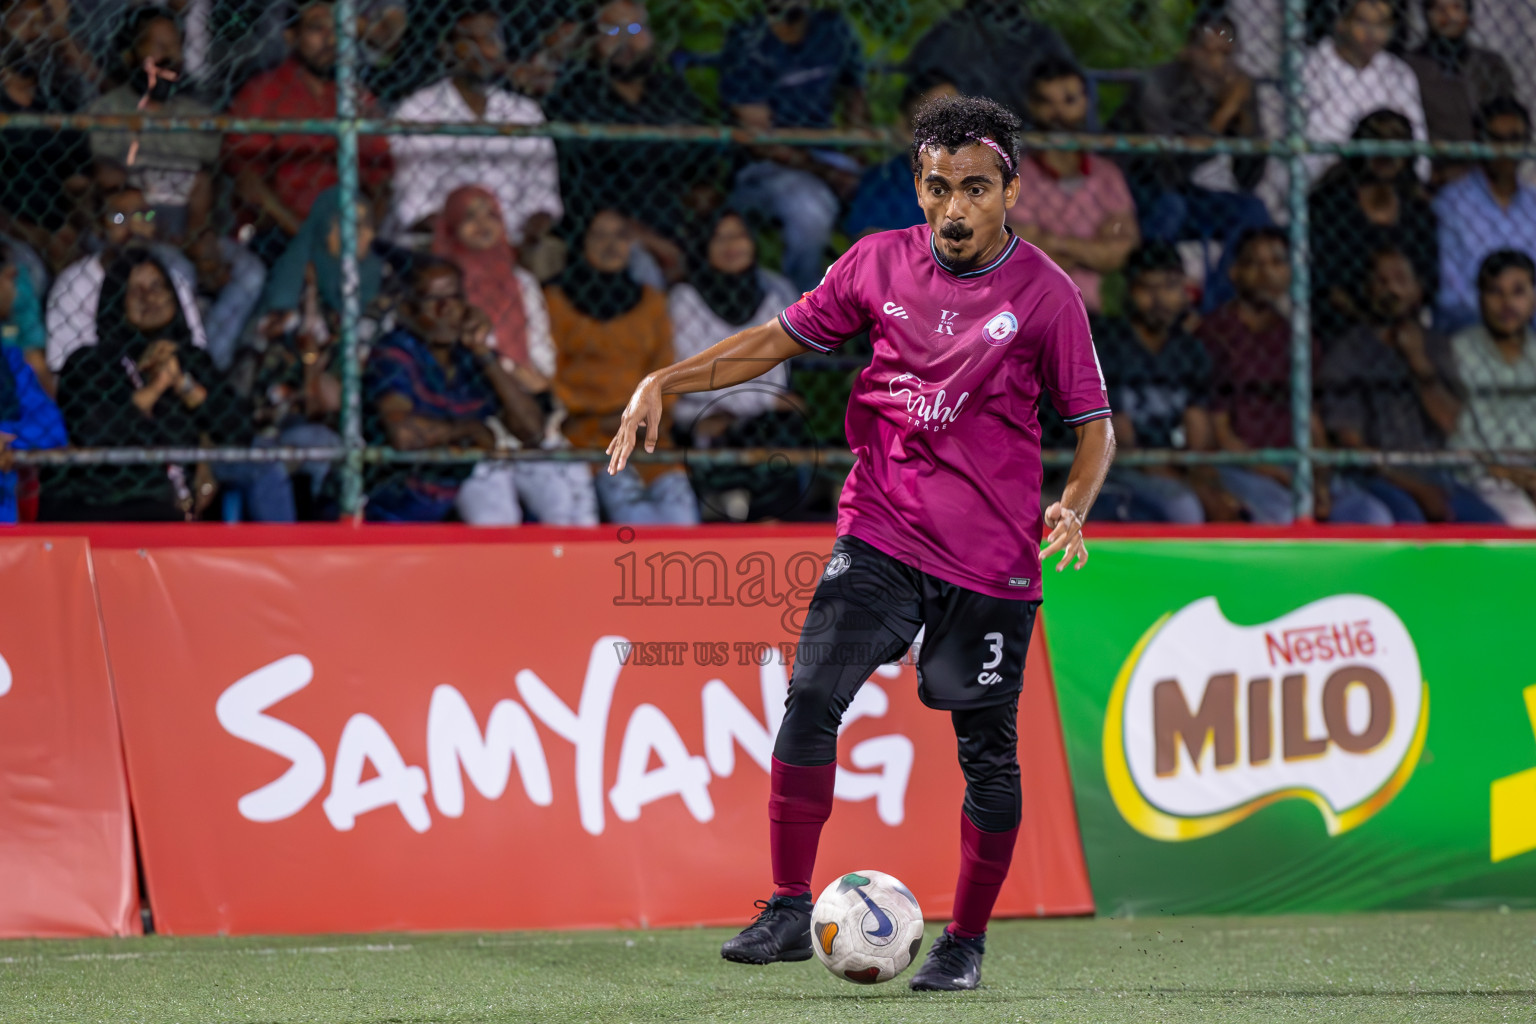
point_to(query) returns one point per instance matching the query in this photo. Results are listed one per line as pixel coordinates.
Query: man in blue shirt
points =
(787, 68)
(435, 382)
(885, 198)
(1487, 210)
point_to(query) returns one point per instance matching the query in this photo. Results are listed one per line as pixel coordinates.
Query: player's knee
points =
(808, 733)
(995, 801)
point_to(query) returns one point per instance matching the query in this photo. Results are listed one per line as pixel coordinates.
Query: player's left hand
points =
(644, 408)
(1066, 536)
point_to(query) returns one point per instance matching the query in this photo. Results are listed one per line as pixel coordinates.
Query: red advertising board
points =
(66, 843)
(562, 731)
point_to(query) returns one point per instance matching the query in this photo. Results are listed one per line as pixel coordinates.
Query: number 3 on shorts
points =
(995, 648)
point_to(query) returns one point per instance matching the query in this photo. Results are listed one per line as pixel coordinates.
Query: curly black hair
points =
(955, 121)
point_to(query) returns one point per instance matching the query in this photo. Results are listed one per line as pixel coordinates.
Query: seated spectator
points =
(1159, 379)
(37, 34)
(1486, 210)
(230, 279)
(279, 177)
(1249, 341)
(125, 221)
(1390, 385)
(1364, 205)
(886, 196)
(523, 172)
(313, 260)
(789, 68)
(174, 169)
(610, 332)
(21, 319)
(42, 171)
(1456, 79)
(472, 234)
(1350, 74)
(1072, 204)
(297, 386)
(1201, 92)
(623, 83)
(28, 418)
(726, 290)
(435, 382)
(145, 385)
(988, 48)
(1496, 360)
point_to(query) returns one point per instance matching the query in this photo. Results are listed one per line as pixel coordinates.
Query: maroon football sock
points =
(984, 860)
(800, 805)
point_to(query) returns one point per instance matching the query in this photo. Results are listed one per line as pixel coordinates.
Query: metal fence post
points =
(1301, 278)
(348, 189)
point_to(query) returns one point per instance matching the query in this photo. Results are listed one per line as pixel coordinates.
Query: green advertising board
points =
(1298, 726)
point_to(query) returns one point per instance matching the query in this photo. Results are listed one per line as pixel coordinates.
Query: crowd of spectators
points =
(180, 289)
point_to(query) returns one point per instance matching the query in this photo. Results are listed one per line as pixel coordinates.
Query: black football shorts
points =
(868, 608)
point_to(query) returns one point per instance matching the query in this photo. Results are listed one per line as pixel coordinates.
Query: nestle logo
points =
(1323, 642)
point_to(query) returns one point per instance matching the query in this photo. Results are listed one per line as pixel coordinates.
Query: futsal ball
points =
(867, 927)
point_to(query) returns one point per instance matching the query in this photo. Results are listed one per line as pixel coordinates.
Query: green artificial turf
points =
(1413, 967)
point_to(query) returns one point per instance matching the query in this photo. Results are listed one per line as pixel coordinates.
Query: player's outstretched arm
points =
(1095, 451)
(745, 355)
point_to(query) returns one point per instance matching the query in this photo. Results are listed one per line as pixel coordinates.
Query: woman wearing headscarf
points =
(725, 291)
(471, 233)
(145, 385)
(610, 332)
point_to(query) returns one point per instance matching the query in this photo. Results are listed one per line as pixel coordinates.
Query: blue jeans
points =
(805, 206)
(1267, 500)
(1134, 497)
(264, 487)
(1194, 213)
(1271, 503)
(625, 498)
(1465, 504)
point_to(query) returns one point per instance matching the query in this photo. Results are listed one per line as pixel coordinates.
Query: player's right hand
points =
(644, 408)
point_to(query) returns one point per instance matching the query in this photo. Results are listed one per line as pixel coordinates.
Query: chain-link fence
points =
(409, 258)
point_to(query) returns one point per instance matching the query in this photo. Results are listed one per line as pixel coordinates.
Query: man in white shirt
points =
(521, 171)
(1350, 75)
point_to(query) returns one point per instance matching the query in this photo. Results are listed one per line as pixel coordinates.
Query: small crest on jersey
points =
(1001, 328)
(839, 565)
(1018, 581)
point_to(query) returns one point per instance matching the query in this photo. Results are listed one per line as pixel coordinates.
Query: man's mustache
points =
(955, 231)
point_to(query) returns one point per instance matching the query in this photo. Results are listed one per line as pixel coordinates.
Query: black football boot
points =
(953, 964)
(782, 932)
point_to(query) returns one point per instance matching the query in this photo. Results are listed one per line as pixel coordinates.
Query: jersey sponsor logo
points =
(1210, 721)
(1018, 581)
(839, 565)
(924, 407)
(895, 310)
(947, 318)
(1001, 328)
